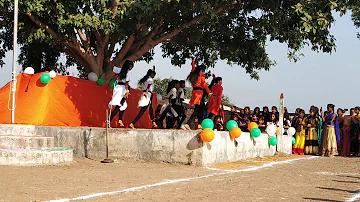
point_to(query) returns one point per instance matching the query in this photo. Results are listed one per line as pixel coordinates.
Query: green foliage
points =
(355, 9)
(226, 100)
(96, 35)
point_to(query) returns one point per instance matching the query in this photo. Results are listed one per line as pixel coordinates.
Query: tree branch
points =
(176, 31)
(98, 37)
(75, 46)
(124, 50)
(84, 41)
(42, 25)
(152, 43)
(78, 58)
(114, 8)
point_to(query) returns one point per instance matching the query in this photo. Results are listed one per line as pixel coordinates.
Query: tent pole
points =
(13, 79)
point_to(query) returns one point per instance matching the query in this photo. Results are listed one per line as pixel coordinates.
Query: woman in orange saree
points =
(198, 81)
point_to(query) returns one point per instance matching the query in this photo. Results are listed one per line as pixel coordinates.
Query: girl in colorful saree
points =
(331, 134)
(299, 145)
(311, 139)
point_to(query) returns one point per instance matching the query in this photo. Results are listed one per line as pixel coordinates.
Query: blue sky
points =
(317, 79)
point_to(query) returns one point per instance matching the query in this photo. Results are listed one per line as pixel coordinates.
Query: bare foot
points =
(154, 124)
(121, 123)
(108, 124)
(131, 126)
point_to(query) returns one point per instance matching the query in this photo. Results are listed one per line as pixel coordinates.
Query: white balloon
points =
(92, 76)
(291, 131)
(29, 70)
(271, 130)
(52, 74)
(158, 97)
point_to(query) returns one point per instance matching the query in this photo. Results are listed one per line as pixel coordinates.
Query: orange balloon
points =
(235, 133)
(277, 130)
(207, 135)
(252, 125)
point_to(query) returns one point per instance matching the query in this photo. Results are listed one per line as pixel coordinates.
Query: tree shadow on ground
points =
(349, 176)
(336, 189)
(320, 199)
(351, 182)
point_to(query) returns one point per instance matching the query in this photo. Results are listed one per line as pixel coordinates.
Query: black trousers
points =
(117, 108)
(143, 110)
(115, 111)
(211, 116)
(198, 113)
(160, 121)
(180, 110)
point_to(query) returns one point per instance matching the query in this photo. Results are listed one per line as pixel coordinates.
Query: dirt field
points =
(266, 179)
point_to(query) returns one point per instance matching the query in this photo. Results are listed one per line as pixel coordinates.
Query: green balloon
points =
(293, 140)
(112, 83)
(255, 132)
(231, 124)
(45, 78)
(273, 141)
(207, 123)
(100, 82)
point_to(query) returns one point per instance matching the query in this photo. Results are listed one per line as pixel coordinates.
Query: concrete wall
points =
(223, 149)
(174, 146)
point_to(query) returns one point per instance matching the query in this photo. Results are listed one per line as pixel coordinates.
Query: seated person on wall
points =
(219, 125)
(261, 124)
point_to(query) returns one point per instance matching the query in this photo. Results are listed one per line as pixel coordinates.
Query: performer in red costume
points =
(198, 82)
(214, 103)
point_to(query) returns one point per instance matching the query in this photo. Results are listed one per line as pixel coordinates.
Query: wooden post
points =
(281, 115)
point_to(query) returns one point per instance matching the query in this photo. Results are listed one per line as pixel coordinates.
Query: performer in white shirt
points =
(179, 107)
(147, 83)
(169, 103)
(121, 90)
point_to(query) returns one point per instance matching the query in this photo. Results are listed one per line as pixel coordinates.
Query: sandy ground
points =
(317, 179)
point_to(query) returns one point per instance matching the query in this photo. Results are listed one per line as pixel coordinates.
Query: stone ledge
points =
(173, 146)
(27, 157)
(26, 142)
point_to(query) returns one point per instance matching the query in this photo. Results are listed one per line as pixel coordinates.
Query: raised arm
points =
(193, 64)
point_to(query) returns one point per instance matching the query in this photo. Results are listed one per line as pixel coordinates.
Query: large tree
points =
(355, 9)
(96, 35)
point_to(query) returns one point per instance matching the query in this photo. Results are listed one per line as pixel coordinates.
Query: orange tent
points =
(65, 101)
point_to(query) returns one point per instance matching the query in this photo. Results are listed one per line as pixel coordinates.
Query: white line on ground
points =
(354, 198)
(330, 173)
(224, 172)
(253, 168)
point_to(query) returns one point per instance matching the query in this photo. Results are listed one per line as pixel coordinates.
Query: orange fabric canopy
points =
(65, 101)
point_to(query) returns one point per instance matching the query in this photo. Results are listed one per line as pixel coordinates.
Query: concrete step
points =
(26, 142)
(31, 157)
